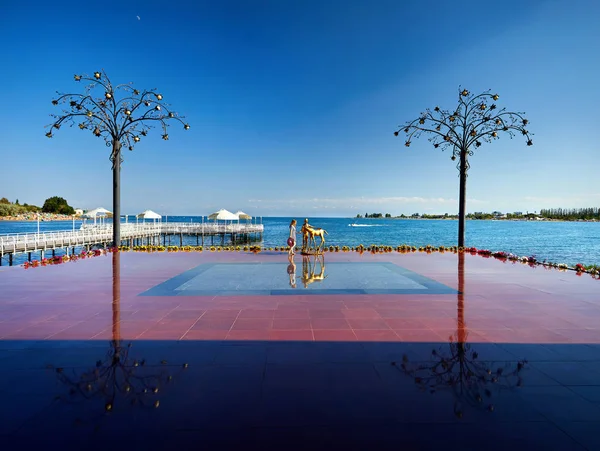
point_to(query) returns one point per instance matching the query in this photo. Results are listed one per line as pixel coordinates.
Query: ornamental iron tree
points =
(476, 119)
(119, 121)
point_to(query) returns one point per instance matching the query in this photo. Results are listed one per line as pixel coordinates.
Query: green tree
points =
(59, 205)
(4, 200)
(475, 120)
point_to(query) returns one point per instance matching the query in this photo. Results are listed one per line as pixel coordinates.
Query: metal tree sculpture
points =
(476, 119)
(118, 375)
(120, 122)
(470, 380)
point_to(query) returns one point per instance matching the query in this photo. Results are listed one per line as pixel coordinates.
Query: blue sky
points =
(293, 104)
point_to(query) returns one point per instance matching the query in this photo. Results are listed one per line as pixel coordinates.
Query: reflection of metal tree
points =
(118, 374)
(475, 119)
(470, 379)
(118, 121)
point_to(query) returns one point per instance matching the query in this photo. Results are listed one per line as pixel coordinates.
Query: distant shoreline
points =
(500, 219)
(44, 217)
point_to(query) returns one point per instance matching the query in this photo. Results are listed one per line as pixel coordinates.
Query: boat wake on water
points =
(364, 225)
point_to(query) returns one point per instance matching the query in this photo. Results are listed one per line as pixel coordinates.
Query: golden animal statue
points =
(309, 274)
(314, 232)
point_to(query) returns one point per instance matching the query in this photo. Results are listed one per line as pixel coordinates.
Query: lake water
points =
(560, 242)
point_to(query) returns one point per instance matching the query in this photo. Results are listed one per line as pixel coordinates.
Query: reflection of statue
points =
(309, 274)
(291, 270)
(470, 379)
(308, 237)
(118, 374)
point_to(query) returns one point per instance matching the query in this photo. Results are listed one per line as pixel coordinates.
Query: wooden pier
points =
(91, 235)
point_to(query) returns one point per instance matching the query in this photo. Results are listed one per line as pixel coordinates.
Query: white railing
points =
(208, 229)
(90, 234)
(49, 240)
(179, 227)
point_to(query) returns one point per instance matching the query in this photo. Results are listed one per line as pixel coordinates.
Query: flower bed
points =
(59, 259)
(504, 257)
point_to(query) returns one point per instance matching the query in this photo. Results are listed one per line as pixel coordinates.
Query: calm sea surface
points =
(561, 242)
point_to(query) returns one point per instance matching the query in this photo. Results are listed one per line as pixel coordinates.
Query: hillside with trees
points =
(54, 205)
(8, 208)
(57, 205)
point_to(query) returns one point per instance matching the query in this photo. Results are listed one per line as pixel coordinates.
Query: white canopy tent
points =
(223, 215)
(241, 215)
(149, 214)
(97, 212)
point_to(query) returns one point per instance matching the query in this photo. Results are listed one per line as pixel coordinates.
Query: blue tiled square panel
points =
(239, 279)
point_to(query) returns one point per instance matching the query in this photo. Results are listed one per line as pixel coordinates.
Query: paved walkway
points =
(383, 351)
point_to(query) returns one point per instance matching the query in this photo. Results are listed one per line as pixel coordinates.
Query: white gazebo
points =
(97, 212)
(241, 215)
(148, 214)
(223, 215)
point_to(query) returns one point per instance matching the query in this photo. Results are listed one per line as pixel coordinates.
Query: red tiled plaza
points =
(235, 355)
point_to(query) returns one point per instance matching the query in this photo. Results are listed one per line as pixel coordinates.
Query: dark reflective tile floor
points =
(292, 395)
(509, 357)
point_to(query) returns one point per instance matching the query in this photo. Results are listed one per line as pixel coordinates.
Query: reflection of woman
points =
(292, 238)
(291, 270)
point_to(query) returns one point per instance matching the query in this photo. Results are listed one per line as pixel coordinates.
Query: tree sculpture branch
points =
(461, 371)
(124, 121)
(117, 375)
(476, 119)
